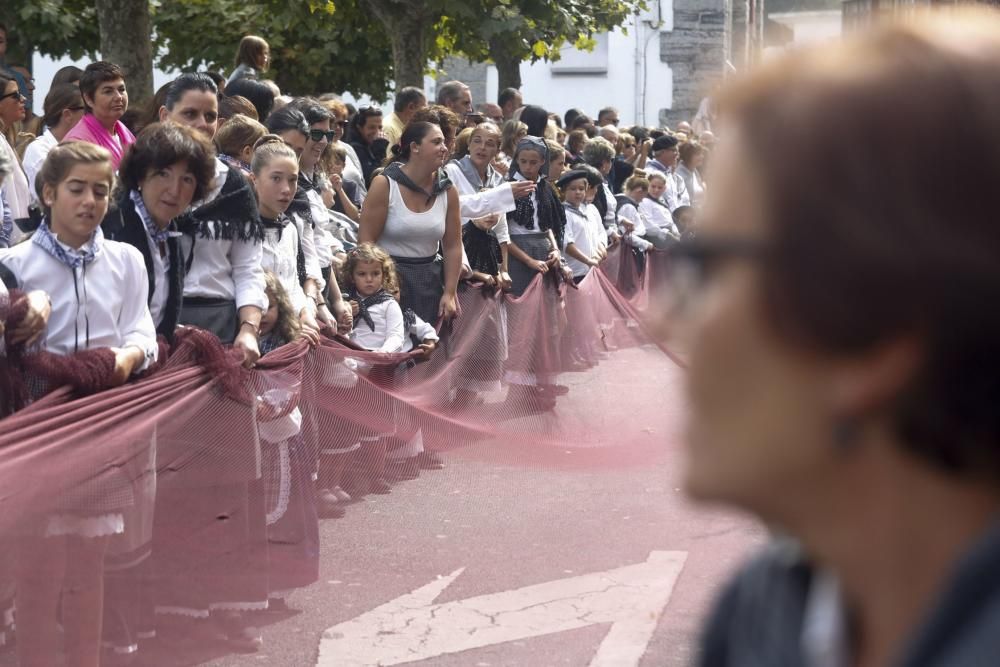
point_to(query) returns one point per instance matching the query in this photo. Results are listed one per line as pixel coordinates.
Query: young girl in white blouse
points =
(369, 276)
(275, 172)
(660, 228)
(98, 291)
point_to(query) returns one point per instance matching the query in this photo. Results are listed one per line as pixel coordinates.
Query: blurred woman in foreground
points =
(841, 308)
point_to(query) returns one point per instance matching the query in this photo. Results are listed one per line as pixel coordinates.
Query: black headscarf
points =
(551, 214)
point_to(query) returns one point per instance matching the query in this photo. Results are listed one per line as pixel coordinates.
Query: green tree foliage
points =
(53, 27)
(333, 45)
(316, 46)
(532, 30)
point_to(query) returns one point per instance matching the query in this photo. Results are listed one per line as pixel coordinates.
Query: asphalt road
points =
(511, 516)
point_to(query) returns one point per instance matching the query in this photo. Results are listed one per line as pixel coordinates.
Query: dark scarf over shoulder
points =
(301, 207)
(482, 249)
(493, 177)
(364, 303)
(551, 214)
(233, 212)
(396, 173)
(123, 224)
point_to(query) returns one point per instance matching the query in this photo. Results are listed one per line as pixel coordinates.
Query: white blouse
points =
(352, 169)
(15, 189)
(388, 334)
(280, 257)
(315, 247)
(99, 304)
(224, 269)
(585, 230)
(419, 330)
(34, 158)
(477, 204)
(658, 215)
(161, 281)
(693, 184)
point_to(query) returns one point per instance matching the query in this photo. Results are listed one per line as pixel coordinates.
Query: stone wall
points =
(471, 74)
(696, 51)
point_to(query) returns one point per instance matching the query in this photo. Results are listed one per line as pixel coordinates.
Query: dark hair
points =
(287, 118)
(604, 112)
(185, 82)
(570, 116)
(359, 119)
(217, 79)
(536, 118)
(250, 50)
(406, 97)
(230, 105)
(443, 117)
(150, 112)
(312, 109)
(507, 95)
(580, 122)
(413, 133)
(162, 144)
(260, 95)
(836, 279)
(4, 80)
(60, 98)
(450, 91)
(96, 74)
(67, 74)
(639, 132)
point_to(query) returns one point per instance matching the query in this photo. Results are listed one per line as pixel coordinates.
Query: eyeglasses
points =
(16, 95)
(693, 261)
(79, 108)
(317, 135)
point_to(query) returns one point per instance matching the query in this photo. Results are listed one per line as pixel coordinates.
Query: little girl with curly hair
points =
(369, 275)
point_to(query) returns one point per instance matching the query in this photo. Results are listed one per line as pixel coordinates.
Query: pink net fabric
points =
(199, 479)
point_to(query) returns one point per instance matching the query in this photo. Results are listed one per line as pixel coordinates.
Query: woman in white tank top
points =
(411, 212)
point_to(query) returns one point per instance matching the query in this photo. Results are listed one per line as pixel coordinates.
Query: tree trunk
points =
(406, 24)
(508, 65)
(126, 40)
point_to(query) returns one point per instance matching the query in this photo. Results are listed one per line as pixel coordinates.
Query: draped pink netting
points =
(196, 467)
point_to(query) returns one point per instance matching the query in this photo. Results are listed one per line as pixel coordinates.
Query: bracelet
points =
(252, 325)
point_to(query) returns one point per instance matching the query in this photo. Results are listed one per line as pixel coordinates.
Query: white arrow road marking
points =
(412, 627)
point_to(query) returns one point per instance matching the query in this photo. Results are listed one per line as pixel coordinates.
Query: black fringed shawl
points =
(551, 215)
(232, 215)
(482, 249)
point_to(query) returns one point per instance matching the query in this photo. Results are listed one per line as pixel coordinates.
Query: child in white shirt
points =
(369, 276)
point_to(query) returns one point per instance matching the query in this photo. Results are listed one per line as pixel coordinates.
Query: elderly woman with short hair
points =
(840, 312)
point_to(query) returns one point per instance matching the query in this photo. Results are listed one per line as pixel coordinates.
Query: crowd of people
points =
(225, 205)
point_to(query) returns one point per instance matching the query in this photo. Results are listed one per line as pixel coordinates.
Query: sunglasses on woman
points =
(16, 95)
(317, 135)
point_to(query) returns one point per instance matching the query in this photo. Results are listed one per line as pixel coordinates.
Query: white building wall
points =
(625, 71)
